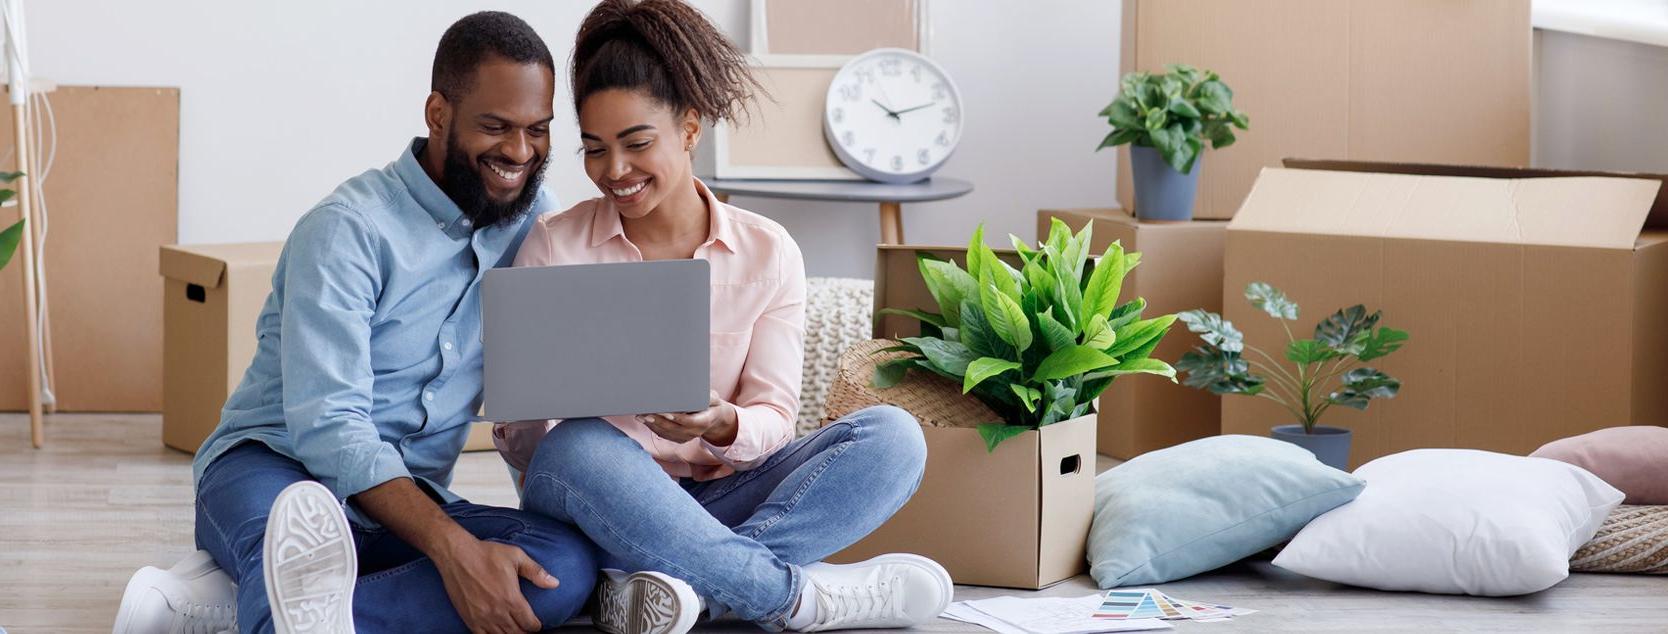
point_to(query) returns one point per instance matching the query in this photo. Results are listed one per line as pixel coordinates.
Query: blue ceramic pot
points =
(1329, 444)
(1162, 193)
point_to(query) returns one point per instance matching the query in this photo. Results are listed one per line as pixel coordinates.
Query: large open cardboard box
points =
(1427, 80)
(1018, 517)
(1535, 300)
(1181, 269)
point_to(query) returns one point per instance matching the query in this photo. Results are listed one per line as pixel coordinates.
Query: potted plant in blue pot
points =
(1167, 118)
(1324, 371)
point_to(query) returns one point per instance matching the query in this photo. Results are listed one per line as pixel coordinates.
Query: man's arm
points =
(331, 284)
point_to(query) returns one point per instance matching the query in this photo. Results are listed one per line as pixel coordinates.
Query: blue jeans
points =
(399, 589)
(738, 540)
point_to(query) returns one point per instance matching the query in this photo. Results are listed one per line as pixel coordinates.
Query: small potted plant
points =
(10, 236)
(1167, 118)
(1035, 344)
(1326, 370)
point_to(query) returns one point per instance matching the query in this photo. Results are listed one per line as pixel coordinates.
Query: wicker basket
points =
(934, 400)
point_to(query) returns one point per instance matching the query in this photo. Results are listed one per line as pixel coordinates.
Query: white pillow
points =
(1456, 521)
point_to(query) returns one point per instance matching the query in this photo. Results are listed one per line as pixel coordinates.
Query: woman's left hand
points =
(716, 423)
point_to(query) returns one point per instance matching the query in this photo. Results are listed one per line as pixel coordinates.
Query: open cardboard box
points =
(1535, 300)
(1018, 517)
(1181, 269)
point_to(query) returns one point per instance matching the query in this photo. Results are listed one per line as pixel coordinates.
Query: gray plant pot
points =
(1329, 444)
(1162, 193)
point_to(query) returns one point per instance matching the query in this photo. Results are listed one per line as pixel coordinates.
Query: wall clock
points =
(892, 115)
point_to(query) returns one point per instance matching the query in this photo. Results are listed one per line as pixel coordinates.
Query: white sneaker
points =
(895, 590)
(645, 603)
(310, 562)
(192, 597)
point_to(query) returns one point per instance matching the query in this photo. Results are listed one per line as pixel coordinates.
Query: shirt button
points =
(428, 396)
(442, 225)
(446, 346)
(465, 221)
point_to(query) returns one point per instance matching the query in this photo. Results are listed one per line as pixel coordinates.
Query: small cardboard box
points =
(1384, 81)
(1018, 517)
(1181, 269)
(211, 298)
(1534, 301)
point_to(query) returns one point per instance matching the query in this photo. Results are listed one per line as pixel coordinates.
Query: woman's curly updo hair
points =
(667, 49)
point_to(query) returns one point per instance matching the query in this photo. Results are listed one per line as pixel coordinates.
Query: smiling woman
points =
(740, 507)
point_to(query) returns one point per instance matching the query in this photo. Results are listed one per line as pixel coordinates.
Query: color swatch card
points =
(1120, 605)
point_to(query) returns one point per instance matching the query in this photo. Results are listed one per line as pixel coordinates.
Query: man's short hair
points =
(478, 37)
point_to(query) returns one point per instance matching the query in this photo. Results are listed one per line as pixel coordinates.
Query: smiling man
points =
(367, 373)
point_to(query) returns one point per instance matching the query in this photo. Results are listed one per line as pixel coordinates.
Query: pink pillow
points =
(1633, 459)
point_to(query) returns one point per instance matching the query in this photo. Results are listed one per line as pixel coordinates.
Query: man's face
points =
(496, 139)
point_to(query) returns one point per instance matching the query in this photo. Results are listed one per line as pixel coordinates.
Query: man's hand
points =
(482, 579)
(716, 423)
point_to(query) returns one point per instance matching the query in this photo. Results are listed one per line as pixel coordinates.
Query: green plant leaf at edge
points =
(936, 320)
(9, 239)
(891, 372)
(1270, 300)
(995, 433)
(1073, 361)
(1381, 342)
(983, 368)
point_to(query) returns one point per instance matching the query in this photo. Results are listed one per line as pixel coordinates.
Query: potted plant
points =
(1035, 344)
(1167, 118)
(1326, 370)
(10, 236)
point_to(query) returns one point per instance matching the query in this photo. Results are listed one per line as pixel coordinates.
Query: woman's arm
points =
(767, 393)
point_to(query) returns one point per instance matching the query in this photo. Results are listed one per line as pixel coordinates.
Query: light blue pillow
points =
(1201, 505)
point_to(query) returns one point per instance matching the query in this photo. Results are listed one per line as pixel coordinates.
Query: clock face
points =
(892, 115)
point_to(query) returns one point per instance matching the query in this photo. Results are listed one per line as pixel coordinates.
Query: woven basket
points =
(1633, 539)
(934, 400)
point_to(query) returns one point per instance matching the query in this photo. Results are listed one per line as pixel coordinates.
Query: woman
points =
(719, 509)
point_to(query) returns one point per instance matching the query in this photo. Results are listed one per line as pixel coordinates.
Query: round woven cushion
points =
(1633, 539)
(837, 316)
(935, 401)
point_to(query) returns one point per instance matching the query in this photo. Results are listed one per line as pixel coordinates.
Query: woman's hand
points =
(716, 423)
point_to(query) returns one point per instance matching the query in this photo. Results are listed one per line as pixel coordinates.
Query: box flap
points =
(1659, 207)
(205, 264)
(1575, 211)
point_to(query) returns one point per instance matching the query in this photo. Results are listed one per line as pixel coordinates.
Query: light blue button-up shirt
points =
(368, 366)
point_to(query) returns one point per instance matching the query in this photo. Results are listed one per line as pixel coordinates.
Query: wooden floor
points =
(104, 498)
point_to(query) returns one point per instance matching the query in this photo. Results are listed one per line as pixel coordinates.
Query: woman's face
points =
(635, 148)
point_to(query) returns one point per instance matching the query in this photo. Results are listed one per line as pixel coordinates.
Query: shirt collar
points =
(721, 228)
(447, 216)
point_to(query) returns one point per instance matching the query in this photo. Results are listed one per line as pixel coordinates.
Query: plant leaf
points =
(1128, 312)
(1270, 300)
(1006, 317)
(10, 176)
(936, 320)
(948, 284)
(1141, 334)
(1139, 366)
(9, 239)
(1098, 335)
(995, 433)
(1347, 330)
(949, 356)
(1219, 371)
(1070, 362)
(1215, 330)
(977, 334)
(1055, 334)
(1105, 283)
(983, 368)
(1381, 342)
(1307, 351)
(1029, 395)
(891, 372)
(1363, 384)
(976, 253)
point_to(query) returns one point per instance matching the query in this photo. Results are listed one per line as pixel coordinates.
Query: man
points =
(363, 385)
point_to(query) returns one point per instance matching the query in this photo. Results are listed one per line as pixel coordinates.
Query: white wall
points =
(283, 99)
(1599, 103)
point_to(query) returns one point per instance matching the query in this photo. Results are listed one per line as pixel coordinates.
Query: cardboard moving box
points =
(1015, 518)
(1535, 305)
(1181, 269)
(1426, 80)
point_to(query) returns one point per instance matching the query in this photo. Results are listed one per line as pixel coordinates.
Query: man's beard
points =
(462, 183)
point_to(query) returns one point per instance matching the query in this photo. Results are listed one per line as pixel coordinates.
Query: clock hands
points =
(925, 105)
(889, 112)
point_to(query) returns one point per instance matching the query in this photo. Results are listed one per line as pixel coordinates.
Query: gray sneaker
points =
(644, 603)
(310, 562)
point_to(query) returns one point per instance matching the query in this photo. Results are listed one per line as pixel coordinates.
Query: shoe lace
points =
(208, 618)
(842, 605)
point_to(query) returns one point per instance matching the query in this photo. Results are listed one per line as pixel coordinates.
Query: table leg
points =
(891, 223)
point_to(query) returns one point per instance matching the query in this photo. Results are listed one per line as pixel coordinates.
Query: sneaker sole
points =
(310, 563)
(130, 601)
(645, 603)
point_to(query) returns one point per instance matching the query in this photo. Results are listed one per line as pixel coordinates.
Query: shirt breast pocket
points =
(728, 355)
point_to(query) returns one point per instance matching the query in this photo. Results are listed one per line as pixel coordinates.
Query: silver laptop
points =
(596, 339)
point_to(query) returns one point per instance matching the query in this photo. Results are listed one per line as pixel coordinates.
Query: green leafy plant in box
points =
(10, 236)
(1036, 344)
(1174, 113)
(1324, 371)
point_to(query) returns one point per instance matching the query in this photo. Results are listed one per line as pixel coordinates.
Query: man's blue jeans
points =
(738, 540)
(399, 589)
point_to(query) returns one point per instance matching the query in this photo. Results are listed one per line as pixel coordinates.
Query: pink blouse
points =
(758, 329)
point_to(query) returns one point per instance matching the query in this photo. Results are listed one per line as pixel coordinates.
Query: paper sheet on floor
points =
(1144, 603)
(1048, 615)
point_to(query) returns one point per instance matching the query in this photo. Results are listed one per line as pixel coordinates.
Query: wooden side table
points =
(890, 197)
